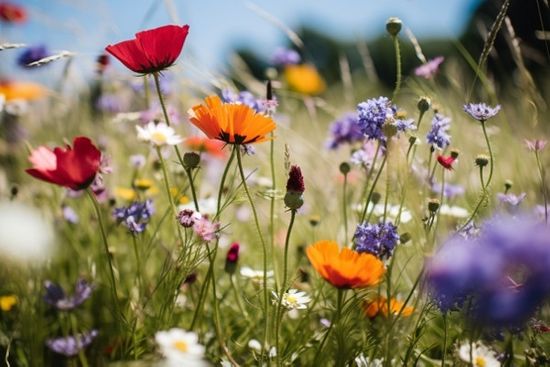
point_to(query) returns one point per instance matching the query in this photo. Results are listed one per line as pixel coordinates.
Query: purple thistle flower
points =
(345, 130)
(481, 111)
(503, 271)
(187, 217)
(378, 239)
(535, 145)
(438, 135)
(372, 115)
(285, 56)
(135, 216)
(430, 68)
(55, 295)
(71, 345)
(31, 55)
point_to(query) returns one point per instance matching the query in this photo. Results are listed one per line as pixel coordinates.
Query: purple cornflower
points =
(248, 99)
(206, 229)
(135, 216)
(345, 130)
(535, 145)
(378, 239)
(503, 271)
(372, 115)
(403, 125)
(480, 111)
(69, 214)
(430, 68)
(55, 295)
(31, 55)
(70, 346)
(285, 56)
(438, 135)
(137, 161)
(449, 190)
(511, 199)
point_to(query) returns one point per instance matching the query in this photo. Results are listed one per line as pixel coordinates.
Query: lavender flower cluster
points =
(135, 216)
(378, 239)
(438, 136)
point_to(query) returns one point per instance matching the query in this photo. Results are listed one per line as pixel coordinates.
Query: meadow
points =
(153, 220)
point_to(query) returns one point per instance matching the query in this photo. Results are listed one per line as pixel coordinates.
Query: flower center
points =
(292, 300)
(158, 137)
(480, 362)
(182, 346)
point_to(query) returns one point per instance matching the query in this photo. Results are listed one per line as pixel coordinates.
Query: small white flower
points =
(207, 206)
(453, 211)
(272, 352)
(481, 356)
(181, 348)
(158, 134)
(2, 102)
(16, 107)
(362, 361)
(127, 117)
(254, 344)
(392, 211)
(255, 275)
(19, 243)
(293, 299)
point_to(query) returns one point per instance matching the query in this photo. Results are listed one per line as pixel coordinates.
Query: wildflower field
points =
(284, 218)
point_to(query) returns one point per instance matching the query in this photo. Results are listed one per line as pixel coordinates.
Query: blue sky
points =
(217, 26)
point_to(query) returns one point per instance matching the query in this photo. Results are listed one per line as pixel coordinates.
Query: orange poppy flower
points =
(379, 306)
(231, 122)
(204, 145)
(21, 90)
(344, 268)
(304, 79)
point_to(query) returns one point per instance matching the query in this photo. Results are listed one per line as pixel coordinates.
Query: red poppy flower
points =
(152, 50)
(446, 162)
(74, 167)
(12, 13)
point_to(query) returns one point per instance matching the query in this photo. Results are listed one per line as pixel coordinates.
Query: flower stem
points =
(278, 314)
(192, 186)
(333, 322)
(372, 188)
(208, 278)
(397, 67)
(345, 209)
(492, 163)
(107, 253)
(543, 183)
(264, 247)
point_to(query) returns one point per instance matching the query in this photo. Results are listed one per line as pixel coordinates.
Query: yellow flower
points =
(304, 79)
(125, 193)
(7, 302)
(143, 183)
(21, 90)
(184, 200)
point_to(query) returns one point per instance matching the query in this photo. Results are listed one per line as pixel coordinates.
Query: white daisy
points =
(255, 275)
(180, 348)
(453, 211)
(255, 345)
(293, 299)
(481, 356)
(158, 134)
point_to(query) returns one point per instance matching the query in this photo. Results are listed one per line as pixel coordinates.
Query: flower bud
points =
(390, 130)
(344, 168)
(412, 140)
(455, 153)
(482, 160)
(294, 189)
(232, 258)
(433, 205)
(424, 104)
(393, 26)
(314, 220)
(375, 198)
(191, 160)
(508, 185)
(405, 237)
